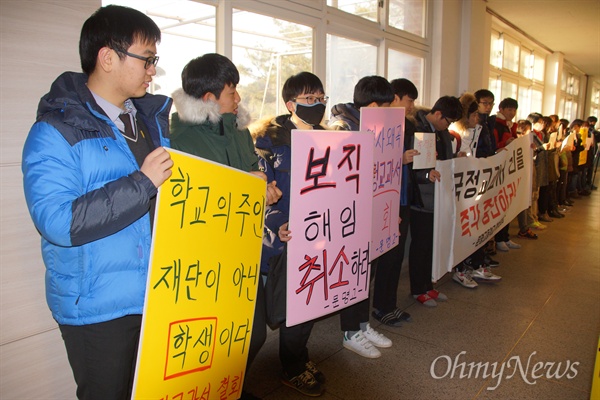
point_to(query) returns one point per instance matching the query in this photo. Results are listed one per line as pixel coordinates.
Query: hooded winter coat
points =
(199, 128)
(90, 202)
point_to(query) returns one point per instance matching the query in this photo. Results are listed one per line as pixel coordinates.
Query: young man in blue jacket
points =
(92, 164)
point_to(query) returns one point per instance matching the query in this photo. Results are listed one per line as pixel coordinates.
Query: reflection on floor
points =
(546, 309)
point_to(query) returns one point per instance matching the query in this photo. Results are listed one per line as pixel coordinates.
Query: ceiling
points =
(571, 27)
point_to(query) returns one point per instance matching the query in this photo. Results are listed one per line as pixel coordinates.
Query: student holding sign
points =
(359, 336)
(437, 120)
(389, 264)
(91, 180)
(468, 128)
(304, 97)
(210, 123)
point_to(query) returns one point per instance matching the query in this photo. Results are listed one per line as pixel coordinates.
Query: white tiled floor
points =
(548, 303)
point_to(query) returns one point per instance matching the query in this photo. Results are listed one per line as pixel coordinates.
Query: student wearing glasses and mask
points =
(305, 101)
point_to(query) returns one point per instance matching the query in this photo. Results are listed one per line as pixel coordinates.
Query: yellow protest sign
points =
(202, 282)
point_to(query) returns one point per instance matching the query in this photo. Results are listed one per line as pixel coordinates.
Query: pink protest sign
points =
(330, 220)
(387, 125)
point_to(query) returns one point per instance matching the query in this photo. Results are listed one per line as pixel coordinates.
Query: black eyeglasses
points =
(313, 99)
(448, 121)
(149, 60)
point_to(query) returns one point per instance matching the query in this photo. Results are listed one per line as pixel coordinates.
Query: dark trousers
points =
(475, 260)
(552, 197)
(544, 200)
(387, 273)
(502, 235)
(572, 181)
(421, 251)
(352, 316)
(561, 188)
(293, 350)
(259, 327)
(103, 357)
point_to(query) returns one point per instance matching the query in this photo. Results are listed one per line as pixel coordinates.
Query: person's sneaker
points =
(490, 248)
(359, 344)
(538, 225)
(502, 246)
(436, 295)
(376, 338)
(512, 245)
(485, 274)
(312, 368)
(425, 299)
(544, 218)
(555, 214)
(465, 279)
(489, 261)
(528, 234)
(305, 383)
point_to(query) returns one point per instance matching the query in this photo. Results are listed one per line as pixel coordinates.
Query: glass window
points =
(494, 86)
(510, 57)
(595, 103)
(402, 65)
(362, 8)
(509, 89)
(527, 58)
(564, 81)
(575, 86)
(184, 25)
(569, 110)
(347, 62)
(539, 68)
(496, 49)
(408, 15)
(267, 51)
(536, 100)
(524, 102)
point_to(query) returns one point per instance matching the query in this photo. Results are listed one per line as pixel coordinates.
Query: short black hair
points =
(116, 27)
(576, 122)
(591, 119)
(534, 118)
(523, 124)
(209, 73)
(449, 106)
(303, 82)
(403, 87)
(371, 89)
(508, 103)
(483, 94)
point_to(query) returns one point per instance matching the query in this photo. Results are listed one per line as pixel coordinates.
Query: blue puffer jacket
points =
(90, 203)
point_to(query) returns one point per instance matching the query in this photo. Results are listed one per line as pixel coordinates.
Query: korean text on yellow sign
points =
(202, 284)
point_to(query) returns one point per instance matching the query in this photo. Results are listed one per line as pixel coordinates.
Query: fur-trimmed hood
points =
(274, 131)
(260, 127)
(193, 110)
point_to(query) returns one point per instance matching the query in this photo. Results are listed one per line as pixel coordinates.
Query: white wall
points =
(39, 40)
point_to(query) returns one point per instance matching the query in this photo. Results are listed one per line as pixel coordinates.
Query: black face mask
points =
(310, 114)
